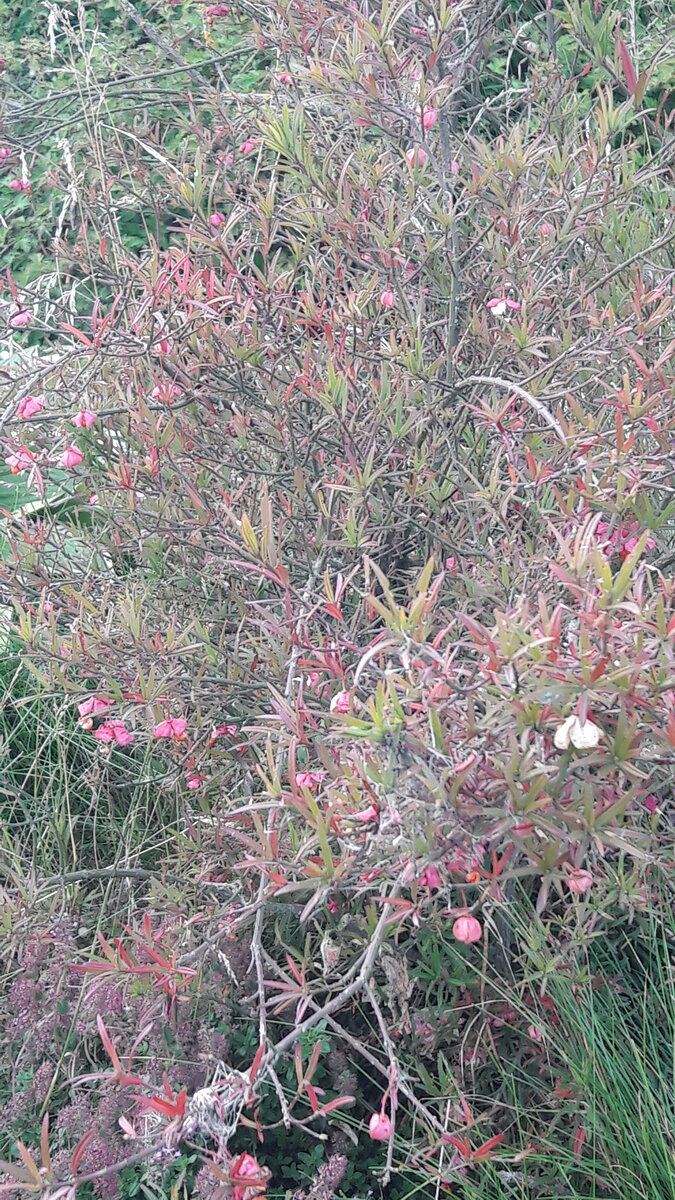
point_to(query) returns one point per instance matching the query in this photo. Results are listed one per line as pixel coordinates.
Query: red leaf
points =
(314, 1060)
(161, 1106)
(253, 1071)
(628, 69)
(105, 1038)
(161, 962)
(639, 362)
(80, 1149)
(462, 1145)
(122, 953)
(485, 1150)
(107, 950)
(312, 1097)
(77, 333)
(338, 1102)
(294, 970)
(599, 670)
(169, 1108)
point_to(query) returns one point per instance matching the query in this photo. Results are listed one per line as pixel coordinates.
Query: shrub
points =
(364, 537)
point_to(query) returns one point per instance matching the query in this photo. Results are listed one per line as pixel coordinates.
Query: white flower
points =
(583, 735)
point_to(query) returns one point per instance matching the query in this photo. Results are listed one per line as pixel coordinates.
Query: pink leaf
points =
(105, 1038)
(81, 337)
(628, 69)
(338, 1102)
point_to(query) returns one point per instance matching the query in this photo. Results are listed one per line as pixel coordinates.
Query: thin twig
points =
(394, 1074)
(162, 44)
(366, 1054)
(347, 993)
(256, 940)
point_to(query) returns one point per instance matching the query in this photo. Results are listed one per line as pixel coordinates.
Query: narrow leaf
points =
(628, 69)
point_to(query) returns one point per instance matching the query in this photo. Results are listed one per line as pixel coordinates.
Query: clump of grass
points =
(616, 1040)
(591, 1106)
(62, 805)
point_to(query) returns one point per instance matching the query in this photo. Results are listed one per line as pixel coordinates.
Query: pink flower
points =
(379, 1127)
(21, 460)
(367, 814)
(430, 878)
(166, 393)
(217, 219)
(92, 705)
(174, 727)
(651, 803)
(194, 782)
(22, 317)
(429, 118)
(114, 731)
(499, 305)
(71, 457)
(535, 1033)
(623, 539)
(467, 930)
(416, 156)
(546, 229)
(84, 419)
(309, 778)
(248, 146)
(579, 881)
(341, 702)
(18, 185)
(285, 78)
(249, 1179)
(217, 10)
(450, 563)
(454, 167)
(219, 731)
(29, 406)
(388, 299)
(5, 153)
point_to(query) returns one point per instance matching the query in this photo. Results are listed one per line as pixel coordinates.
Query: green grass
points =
(617, 1041)
(612, 1048)
(63, 805)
